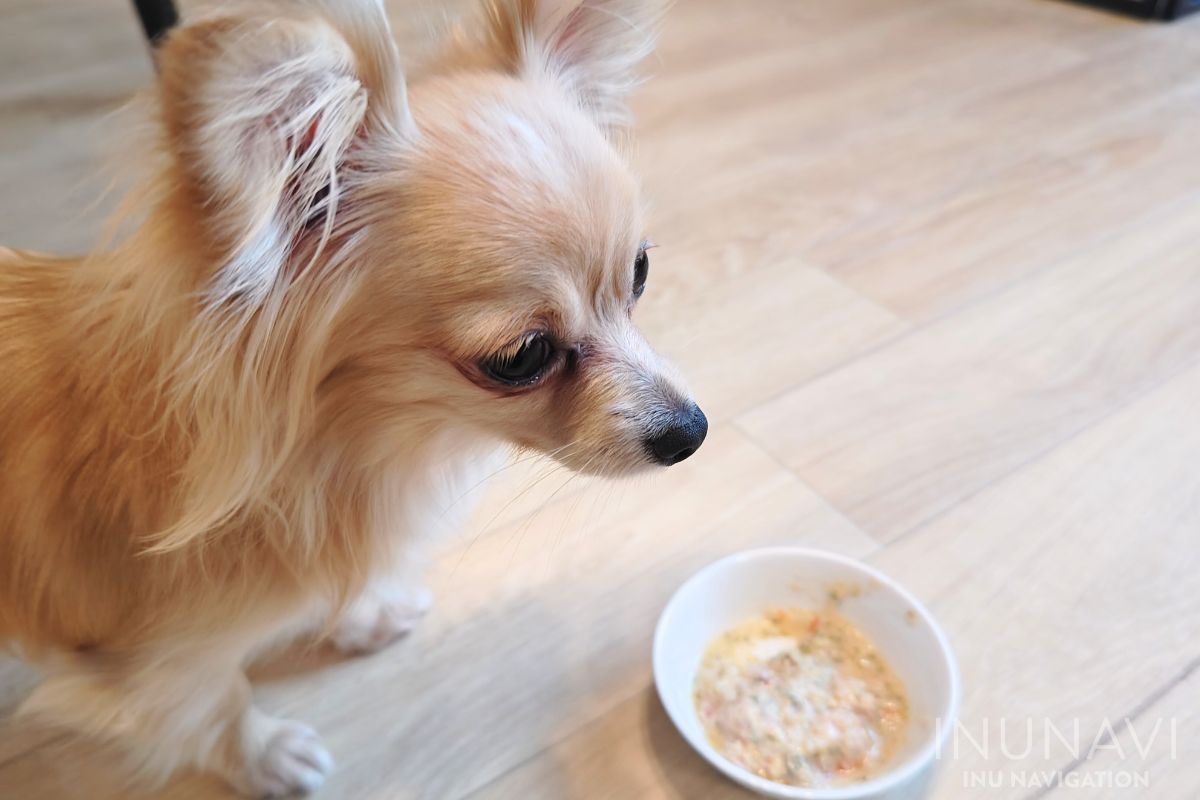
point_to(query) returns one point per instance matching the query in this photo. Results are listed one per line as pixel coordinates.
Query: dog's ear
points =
(261, 109)
(593, 47)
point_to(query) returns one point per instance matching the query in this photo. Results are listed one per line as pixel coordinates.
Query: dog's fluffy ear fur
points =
(261, 106)
(272, 113)
(592, 47)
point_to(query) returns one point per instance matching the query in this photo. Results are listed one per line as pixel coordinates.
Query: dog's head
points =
(478, 224)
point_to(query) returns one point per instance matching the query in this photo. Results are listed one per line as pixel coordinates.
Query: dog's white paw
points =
(378, 618)
(292, 761)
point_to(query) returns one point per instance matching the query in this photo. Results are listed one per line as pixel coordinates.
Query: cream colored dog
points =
(341, 296)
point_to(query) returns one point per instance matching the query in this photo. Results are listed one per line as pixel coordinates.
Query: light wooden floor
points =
(933, 269)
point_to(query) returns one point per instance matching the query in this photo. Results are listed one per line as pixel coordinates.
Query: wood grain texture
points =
(1075, 579)
(1158, 746)
(957, 404)
(932, 268)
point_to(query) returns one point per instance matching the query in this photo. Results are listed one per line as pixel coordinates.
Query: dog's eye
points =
(641, 268)
(524, 366)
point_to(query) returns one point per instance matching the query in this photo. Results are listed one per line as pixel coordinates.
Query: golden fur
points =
(248, 413)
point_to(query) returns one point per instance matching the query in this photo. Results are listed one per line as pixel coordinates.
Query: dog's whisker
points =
(552, 467)
(549, 500)
(563, 529)
(529, 521)
(524, 459)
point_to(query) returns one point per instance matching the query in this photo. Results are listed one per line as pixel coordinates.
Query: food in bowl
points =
(801, 697)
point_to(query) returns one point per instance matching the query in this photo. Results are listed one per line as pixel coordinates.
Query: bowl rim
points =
(882, 783)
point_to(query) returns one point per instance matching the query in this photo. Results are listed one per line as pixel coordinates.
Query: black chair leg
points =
(157, 16)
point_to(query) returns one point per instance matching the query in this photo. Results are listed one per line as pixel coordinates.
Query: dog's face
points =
(529, 254)
(497, 236)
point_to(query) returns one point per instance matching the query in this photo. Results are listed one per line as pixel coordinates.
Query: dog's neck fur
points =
(270, 433)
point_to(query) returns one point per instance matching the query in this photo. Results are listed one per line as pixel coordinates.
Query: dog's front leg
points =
(395, 600)
(386, 611)
(171, 707)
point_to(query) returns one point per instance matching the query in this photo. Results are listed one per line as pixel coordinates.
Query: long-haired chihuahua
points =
(341, 294)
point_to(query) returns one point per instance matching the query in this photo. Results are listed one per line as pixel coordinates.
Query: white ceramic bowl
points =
(746, 585)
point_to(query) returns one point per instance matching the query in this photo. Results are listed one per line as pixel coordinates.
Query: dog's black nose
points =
(682, 438)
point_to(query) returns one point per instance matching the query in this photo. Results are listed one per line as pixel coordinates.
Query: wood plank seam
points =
(914, 327)
(1000, 478)
(1056, 788)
